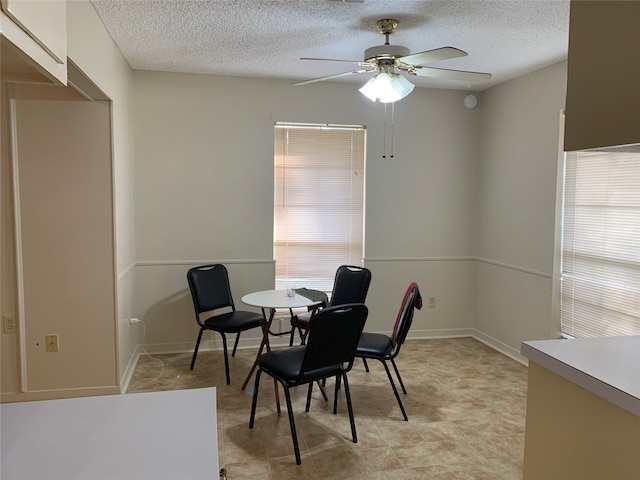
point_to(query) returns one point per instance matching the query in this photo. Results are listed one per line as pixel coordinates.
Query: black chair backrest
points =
(405, 315)
(350, 285)
(333, 337)
(210, 289)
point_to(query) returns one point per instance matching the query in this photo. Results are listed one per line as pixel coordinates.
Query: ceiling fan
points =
(391, 60)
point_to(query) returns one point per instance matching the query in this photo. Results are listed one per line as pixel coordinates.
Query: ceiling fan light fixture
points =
(387, 87)
(401, 86)
(372, 88)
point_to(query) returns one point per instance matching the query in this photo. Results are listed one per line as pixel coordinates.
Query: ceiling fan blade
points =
(330, 60)
(429, 56)
(461, 75)
(337, 75)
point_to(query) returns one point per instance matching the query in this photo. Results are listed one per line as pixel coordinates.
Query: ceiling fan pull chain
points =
(393, 117)
(384, 136)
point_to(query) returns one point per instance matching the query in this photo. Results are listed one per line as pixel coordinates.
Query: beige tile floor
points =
(466, 406)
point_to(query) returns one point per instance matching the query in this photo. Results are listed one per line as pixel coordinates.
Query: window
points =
(600, 281)
(318, 211)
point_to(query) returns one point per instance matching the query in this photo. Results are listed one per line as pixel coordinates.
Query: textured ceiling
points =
(267, 38)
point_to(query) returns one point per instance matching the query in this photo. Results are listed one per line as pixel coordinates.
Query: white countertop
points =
(152, 436)
(607, 366)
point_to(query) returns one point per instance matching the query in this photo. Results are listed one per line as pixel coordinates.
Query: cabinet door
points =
(45, 21)
(603, 100)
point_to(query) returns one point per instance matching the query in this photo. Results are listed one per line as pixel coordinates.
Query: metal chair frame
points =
(385, 348)
(329, 352)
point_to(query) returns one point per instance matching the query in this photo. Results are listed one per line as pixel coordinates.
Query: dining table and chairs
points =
(351, 284)
(331, 333)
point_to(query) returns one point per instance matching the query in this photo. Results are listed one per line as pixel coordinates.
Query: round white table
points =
(277, 299)
(272, 300)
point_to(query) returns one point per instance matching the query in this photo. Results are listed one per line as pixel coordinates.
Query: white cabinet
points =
(34, 40)
(603, 100)
(583, 409)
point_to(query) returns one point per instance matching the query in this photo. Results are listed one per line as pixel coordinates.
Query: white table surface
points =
(276, 299)
(608, 366)
(157, 435)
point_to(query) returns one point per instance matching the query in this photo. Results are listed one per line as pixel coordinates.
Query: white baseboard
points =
(500, 347)
(438, 333)
(130, 368)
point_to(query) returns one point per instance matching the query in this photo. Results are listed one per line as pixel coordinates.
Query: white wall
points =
(466, 208)
(516, 211)
(91, 48)
(204, 192)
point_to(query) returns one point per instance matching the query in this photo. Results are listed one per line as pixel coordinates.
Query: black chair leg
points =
(335, 395)
(235, 345)
(295, 327)
(292, 424)
(366, 367)
(294, 322)
(395, 390)
(347, 392)
(306, 408)
(404, 390)
(226, 357)
(254, 402)
(195, 350)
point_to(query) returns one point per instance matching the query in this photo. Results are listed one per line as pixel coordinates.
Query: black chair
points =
(329, 352)
(384, 347)
(350, 285)
(210, 291)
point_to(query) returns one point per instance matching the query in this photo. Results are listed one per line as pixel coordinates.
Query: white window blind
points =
(600, 286)
(318, 203)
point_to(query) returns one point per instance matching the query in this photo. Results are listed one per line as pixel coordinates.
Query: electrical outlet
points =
(52, 343)
(431, 302)
(9, 324)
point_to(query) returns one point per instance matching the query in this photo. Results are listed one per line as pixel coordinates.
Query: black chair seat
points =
(234, 322)
(374, 345)
(287, 364)
(303, 320)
